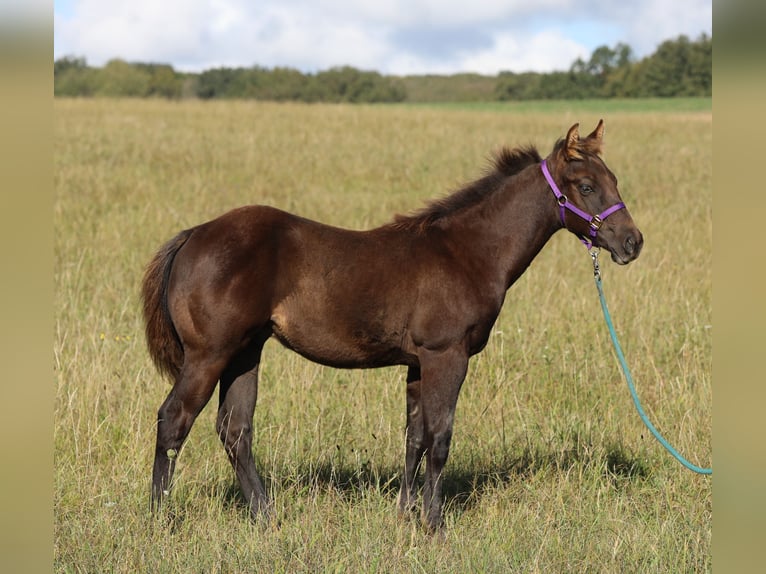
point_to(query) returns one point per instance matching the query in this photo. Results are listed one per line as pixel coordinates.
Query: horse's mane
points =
(505, 163)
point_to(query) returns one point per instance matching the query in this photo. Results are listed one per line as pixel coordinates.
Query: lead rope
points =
(629, 378)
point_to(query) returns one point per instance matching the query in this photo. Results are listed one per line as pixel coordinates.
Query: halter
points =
(594, 222)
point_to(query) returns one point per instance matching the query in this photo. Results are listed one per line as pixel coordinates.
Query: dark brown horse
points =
(422, 291)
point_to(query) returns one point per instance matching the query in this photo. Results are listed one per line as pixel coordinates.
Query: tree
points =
(68, 63)
(598, 77)
(215, 83)
(516, 87)
(121, 79)
(679, 68)
(163, 81)
(700, 74)
(284, 84)
(347, 84)
(72, 77)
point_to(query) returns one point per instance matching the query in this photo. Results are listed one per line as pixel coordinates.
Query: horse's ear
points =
(572, 147)
(598, 133)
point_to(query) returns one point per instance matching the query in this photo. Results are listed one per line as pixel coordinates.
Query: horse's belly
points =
(338, 343)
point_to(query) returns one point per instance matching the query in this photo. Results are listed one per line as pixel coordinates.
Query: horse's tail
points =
(161, 336)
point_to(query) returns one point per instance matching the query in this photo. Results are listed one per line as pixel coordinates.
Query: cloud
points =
(663, 20)
(545, 51)
(139, 30)
(396, 37)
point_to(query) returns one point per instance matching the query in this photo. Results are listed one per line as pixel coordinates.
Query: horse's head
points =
(586, 191)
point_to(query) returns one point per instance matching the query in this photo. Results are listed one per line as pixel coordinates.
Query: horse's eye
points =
(585, 189)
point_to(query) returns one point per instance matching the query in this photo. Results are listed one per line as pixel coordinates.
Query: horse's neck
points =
(505, 233)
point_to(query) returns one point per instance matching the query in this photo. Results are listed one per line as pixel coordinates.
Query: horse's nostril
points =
(630, 245)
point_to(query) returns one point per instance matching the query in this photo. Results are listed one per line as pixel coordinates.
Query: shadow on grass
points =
(463, 486)
(463, 489)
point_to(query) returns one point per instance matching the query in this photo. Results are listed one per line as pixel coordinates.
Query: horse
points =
(422, 291)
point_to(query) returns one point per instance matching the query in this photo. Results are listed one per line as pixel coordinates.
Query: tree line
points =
(679, 67)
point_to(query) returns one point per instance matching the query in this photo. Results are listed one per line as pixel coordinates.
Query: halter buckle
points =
(595, 223)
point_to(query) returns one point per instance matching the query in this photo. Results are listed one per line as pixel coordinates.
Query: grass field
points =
(551, 470)
(596, 107)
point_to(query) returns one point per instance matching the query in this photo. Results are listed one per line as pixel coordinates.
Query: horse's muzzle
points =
(630, 247)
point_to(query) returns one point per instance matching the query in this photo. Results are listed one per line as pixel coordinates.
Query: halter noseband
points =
(594, 222)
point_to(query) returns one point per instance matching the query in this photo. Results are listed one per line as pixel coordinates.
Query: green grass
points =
(603, 106)
(551, 469)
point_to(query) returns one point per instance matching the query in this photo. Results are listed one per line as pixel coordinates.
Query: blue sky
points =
(393, 37)
(64, 7)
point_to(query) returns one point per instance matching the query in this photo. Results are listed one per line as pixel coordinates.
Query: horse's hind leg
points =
(414, 443)
(238, 395)
(175, 417)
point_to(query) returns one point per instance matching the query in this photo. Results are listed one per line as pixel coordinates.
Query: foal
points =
(423, 291)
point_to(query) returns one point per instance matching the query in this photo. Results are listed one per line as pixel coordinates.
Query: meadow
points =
(551, 469)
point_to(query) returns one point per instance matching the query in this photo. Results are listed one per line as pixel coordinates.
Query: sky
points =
(396, 37)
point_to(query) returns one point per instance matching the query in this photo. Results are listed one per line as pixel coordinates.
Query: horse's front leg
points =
(442, 375)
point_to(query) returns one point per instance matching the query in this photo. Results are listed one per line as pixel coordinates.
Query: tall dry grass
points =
(551, 469)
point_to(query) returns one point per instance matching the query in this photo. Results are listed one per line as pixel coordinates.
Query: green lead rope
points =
(629, 378)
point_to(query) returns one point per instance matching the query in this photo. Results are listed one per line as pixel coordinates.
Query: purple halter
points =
(594, 221)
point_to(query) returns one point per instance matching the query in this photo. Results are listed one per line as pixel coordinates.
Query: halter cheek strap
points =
(594, 222)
